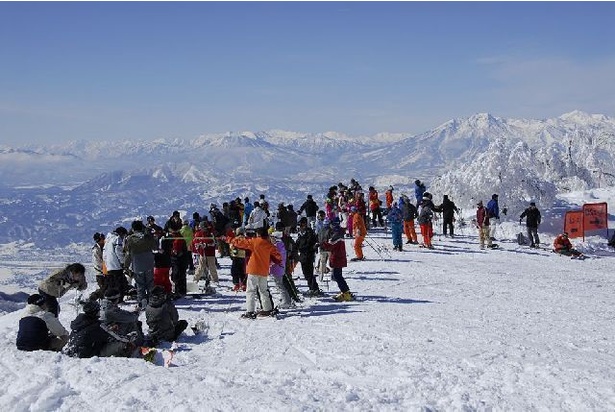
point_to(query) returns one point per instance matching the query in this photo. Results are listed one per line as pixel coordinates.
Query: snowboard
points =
(158, 357)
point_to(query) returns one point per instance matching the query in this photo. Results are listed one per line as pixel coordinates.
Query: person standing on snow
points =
(409, 213)
(493, 209)
(419, 191)
(395, 218)
(532, 221)
(306, 246)
(425, 221)
(448, 215)
(359, 232)
(482, 224)
(310, 207)
(388, 196)
(337, 260)
(374, 207)
(139, 249)
(262, 253)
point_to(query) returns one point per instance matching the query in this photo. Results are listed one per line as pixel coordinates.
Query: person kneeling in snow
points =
(562, 245)
(162, 318)
(123, 325)
(40, 329)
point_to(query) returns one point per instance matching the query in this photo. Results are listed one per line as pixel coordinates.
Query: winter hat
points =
(121, 230)
(36, 299)
(391, 188)
(151, 218)
(112, 294)
(309, 197)
(303, 220)
(417, 182)
(494, 196)
(532, 203)
(91, 307)
(445, 197)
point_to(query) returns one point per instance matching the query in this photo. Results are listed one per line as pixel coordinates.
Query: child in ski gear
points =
(204, 244)
(60, 282)
(409, 213)
(562, 245)
(482, 223)
(359, 232)
(306, 246)
(532, 221)
(374, 207)
(87, 338)
(425, 221)
(139, 249)
(262, 253)
(162, 318)
(493, 210)
(277, 270)
(40, 329)
(394, 217)
(238, 262)
(336, 246)
(448, 216)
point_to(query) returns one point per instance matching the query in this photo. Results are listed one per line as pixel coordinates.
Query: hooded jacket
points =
(161, 317)
(262, 253)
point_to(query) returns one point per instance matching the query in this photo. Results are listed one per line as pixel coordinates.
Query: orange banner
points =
(595, 216)
(573, 223)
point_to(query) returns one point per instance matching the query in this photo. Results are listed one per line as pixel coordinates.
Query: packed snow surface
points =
(454, 328)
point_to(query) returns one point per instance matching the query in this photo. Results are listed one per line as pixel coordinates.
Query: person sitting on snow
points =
(162, 317)
(562, 245)
(40, 329)
(125, 326)
(87, 339)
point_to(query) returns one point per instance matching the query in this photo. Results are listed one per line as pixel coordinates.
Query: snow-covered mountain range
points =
(59, 194)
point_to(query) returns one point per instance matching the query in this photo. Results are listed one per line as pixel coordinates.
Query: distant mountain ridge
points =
(63, 193)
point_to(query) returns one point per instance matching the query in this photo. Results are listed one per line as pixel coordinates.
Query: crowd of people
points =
(151, 263)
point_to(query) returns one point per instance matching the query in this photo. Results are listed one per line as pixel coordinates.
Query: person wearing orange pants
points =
(425, 218)
(359, 232)
(409, 213)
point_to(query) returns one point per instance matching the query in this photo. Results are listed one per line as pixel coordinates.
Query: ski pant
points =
(284, 295)
(322, 263)
(207, 265)
(532, 233)
(117, 280)
(447, 223)
(178, 276)
(483, 235)
(339, 279)
(426, 233)
(358, 246)
(377, 218)
(144, 282)
(409, 231)
(307, 267)
(257, 285)
(161, 278)
(238, 270)
(493, 225)
(396, 229)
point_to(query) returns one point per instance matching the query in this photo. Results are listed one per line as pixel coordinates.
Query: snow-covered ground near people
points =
(453, 328)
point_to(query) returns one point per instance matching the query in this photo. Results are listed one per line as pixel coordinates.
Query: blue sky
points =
(146, 70)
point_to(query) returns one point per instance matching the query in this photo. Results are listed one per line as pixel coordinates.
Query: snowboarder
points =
(562, 245)
(532, 221)
(87, 338)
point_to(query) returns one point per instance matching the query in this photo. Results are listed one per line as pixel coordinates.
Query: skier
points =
(306, 246)
(238, 262)
(419, 190)
(482, 223)
(162, 318)
(337, 260)
(409, 213)
(262, 253)
(394, 217)
(562, 245)
(425, 221)
(40, 328)
(277, 270)
(359, 232)
(204, 244)
(493, 209)
(448, 214)
(532, 221)
(58, 283)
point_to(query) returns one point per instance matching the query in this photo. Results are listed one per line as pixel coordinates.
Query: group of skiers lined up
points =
(102, 329)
